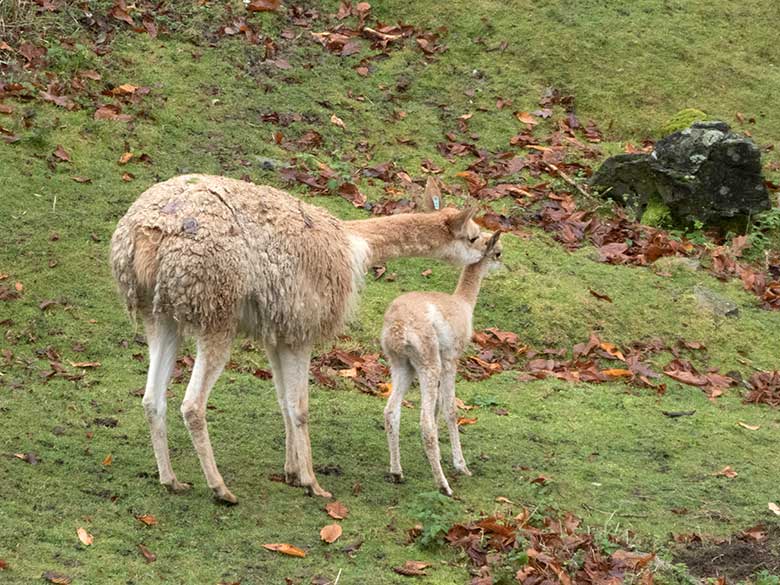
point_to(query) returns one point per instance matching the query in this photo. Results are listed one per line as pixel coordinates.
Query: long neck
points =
(403, 235)
(470, 282)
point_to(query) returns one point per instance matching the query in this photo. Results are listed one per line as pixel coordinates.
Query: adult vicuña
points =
(426, 333)
(211, 257)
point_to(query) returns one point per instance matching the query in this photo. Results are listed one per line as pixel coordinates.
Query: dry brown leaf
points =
(526, 118)
(148, 555)
(285, 549)
(617, 373)
(412, 569)
(3, 565)
(62, 154)
(263, 5)
(612, 350)
(337, 510)
(749, 427)
(109, 459)
(466, 421)
(330, 533)
(427, 272)
(85, 364)
(124, 89)
(19, 287)
(774, 508)
(58, 578)
(503, 500)
(147, 519)
(337, 121)
(125, 158)
(84, 536)
(727, 472)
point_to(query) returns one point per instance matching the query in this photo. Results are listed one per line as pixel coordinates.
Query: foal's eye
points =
(472, 240)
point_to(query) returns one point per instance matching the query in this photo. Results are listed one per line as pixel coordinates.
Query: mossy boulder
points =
(704, 173)
(682, 120)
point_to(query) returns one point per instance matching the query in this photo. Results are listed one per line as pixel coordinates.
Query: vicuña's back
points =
(425, 333)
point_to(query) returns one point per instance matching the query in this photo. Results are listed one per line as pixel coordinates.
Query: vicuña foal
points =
(211, 257)
(426, 333)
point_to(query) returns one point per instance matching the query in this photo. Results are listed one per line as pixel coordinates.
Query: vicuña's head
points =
(464, 246)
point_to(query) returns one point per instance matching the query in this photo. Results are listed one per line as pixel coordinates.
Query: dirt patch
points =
(740, 556)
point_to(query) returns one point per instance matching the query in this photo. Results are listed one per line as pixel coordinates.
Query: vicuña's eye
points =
(498, 254)
(472, 240)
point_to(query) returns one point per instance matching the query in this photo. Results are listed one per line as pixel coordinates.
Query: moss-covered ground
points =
(609, 453)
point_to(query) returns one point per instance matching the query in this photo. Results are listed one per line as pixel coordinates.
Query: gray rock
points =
(717, 304)
(705, 172)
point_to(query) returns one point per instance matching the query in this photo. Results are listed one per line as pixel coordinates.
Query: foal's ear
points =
(431, 199)
(492, 242)
(458, 224)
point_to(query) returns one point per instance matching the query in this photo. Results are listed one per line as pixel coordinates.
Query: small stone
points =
(718, 305)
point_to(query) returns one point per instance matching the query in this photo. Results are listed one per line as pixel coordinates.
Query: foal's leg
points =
(294, 363)
(447, 399)
(163, 340)
(402, 373)
(429, 375)
(213, 353)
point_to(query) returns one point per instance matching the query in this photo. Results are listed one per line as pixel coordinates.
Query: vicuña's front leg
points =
(213, 353)
(447, 400)
(291, 473)
(295, 374)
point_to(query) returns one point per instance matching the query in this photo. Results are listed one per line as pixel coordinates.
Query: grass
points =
(610, 454)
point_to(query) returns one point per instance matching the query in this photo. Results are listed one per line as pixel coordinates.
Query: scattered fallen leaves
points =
(330, 533)
(84, 536)
(285, 549)
(337, 510)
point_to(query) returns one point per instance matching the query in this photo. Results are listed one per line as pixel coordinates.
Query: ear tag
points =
(436, 202)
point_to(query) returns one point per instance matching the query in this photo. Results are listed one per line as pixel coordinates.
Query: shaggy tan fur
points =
(425, 333)
(211, 256)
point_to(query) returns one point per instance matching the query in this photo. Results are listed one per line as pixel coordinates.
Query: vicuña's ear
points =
(431, 199)
(458, 223)
(492, 242)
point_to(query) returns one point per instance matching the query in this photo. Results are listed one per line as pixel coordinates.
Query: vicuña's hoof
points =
(446, 491)
(177, 487)
(316, 490)
(395, 478)
(463, 470)
(224, 496)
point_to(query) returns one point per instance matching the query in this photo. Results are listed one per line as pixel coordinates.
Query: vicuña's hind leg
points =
(163, 340)
(401, 374)
(291, 473)
(429, 376)
(447, 401)
(213, 353)
(295, 374)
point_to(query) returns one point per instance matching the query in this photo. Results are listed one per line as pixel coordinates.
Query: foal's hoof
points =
(395, 478)
(445, 490)
(177, 487)
(224, 496)
(463, 470)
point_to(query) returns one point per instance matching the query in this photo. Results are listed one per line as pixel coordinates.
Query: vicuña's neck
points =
(403, 235)
(470, 282)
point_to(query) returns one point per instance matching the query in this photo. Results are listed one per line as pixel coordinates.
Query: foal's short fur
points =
(426, 333)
